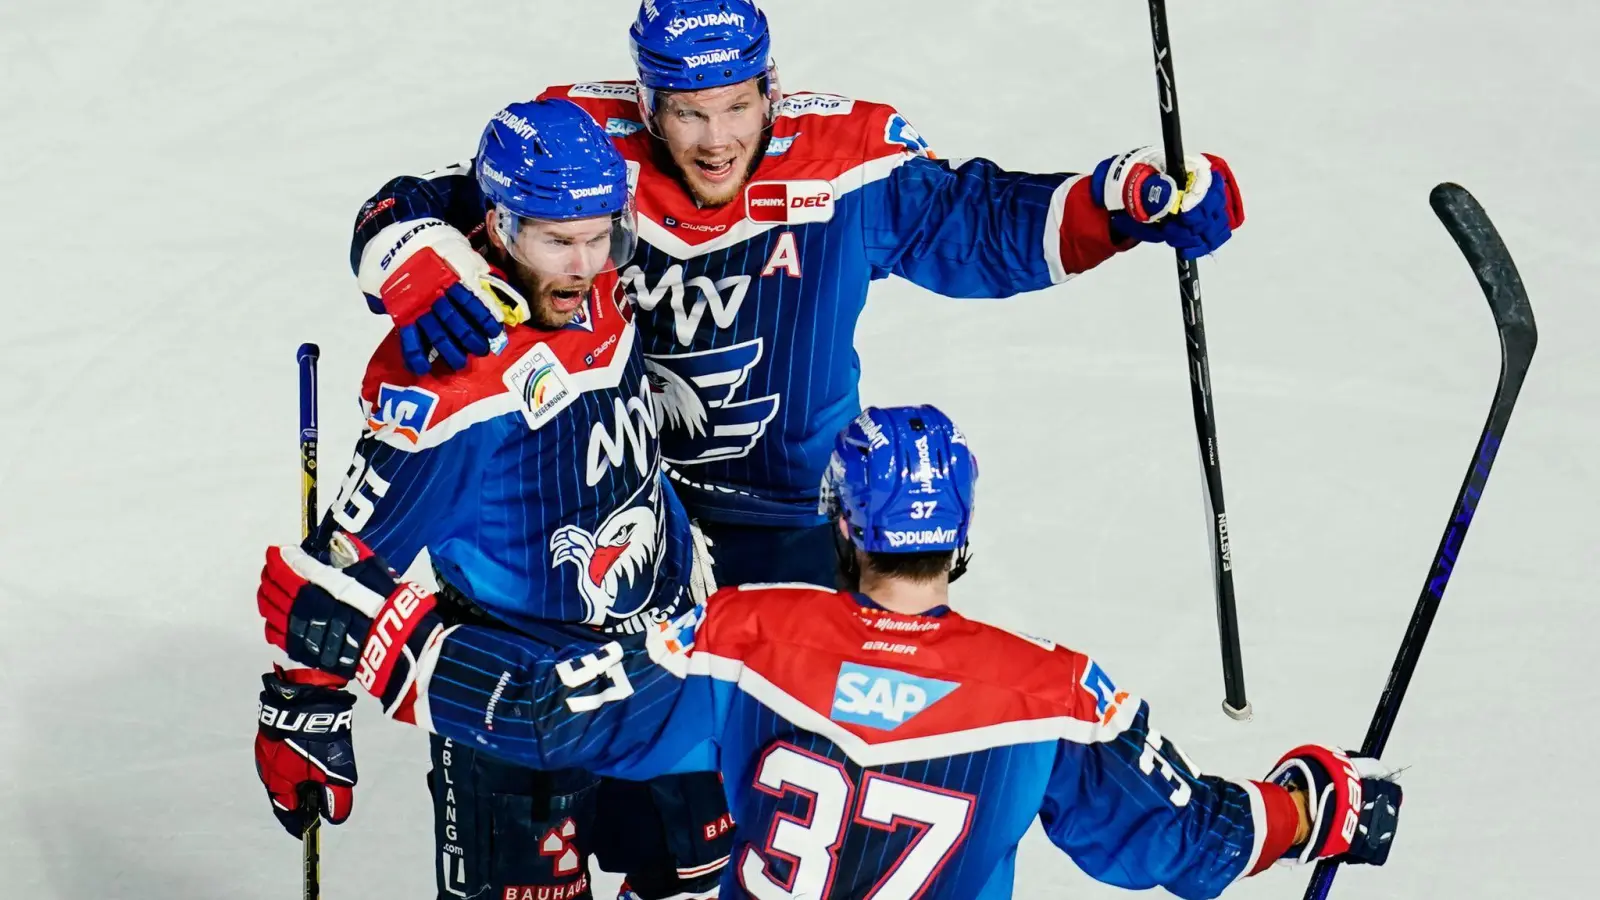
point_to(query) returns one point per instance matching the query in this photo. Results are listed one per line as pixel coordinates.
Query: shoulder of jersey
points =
(811, 127)
(613, 104)
(536, 375)
(1008, 676)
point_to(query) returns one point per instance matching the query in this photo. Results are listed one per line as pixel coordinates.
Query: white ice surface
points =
(179, 179)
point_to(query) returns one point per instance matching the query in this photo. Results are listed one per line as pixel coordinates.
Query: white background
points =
(178, 184)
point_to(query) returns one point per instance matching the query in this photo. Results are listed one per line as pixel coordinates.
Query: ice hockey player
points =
(873, 742)
(533, 478)
(762, 220)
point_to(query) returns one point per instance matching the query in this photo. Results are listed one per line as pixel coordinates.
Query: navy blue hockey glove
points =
(351, 620)
(304, 757)
(1148, 205)
(438, 291)
(1354, 804)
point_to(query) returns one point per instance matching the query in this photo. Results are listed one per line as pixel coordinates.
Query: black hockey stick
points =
(311, 838)
(1205, 416)
(1469, 225)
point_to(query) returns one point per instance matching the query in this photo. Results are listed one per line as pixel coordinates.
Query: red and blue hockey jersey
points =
(748, 311)
(533, 478)
(867, 753)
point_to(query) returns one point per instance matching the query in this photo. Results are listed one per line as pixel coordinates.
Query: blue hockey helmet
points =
(690, 45)
(902, 480)
(547, 161)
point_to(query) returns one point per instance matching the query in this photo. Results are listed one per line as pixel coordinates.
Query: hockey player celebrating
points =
(872, 742)
(533, 478)
(762, 220)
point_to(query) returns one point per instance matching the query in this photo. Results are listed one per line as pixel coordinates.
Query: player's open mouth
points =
(566, 300)
(715, 171)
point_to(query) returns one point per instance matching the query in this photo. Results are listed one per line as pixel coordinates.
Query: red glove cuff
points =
(1282, 820)
(1086, 231)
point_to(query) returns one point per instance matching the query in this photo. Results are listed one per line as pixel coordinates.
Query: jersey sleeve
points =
(401, 501)
(1133, 812)
(631, 708)
(977, 230)
(449, 194)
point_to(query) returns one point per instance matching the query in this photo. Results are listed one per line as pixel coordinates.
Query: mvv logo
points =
(723, 297)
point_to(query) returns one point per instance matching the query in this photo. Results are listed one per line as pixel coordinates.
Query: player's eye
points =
(739, 108)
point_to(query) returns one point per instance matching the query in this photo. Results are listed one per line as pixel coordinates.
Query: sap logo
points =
(796, 105)
(681, 24)
(602, 91)
(883, 698)
(633, 429)
(516, 123)
(406, 411)
(778, 146)
(700, 419)
(1107, 699)
(789, 201)
(621, 128)
(696, 60)
(899, 131)
(722, 297)
(924, 536)
(305, 723)
(596, 191)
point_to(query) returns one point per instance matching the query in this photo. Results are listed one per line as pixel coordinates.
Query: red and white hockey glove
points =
(355, 620)
(304, 756)
(1353, 803)
(438, 290)
(1147, 204)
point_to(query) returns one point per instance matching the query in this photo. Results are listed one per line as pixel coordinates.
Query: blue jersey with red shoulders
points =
(533, 478)
(868, 753)
(748, 311)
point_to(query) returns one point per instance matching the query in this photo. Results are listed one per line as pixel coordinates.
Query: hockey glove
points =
(356, 620)
(1149, 206)
(1353, 802)
(434, 286)
(303, 749)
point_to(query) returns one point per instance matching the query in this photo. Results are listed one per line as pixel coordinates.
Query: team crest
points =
(616, 563)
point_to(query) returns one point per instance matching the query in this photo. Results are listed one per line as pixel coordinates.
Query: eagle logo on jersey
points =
(694, 392)
(615, 564)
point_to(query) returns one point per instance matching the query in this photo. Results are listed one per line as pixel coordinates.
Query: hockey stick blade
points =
(1497, 275)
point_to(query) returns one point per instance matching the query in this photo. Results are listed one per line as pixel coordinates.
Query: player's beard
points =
(552, 300)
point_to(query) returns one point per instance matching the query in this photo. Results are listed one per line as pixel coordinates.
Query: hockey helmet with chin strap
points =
(902, 480)
(690, 45)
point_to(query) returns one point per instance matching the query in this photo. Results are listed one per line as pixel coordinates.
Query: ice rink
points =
(179, 179)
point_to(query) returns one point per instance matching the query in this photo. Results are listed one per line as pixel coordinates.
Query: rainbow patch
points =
(539, 386)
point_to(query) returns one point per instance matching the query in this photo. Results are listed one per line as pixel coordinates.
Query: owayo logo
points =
(883, 698)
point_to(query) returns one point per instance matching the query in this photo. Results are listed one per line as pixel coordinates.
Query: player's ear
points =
(491, 218)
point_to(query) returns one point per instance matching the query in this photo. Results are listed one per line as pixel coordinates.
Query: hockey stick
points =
(1480, 243)
(1205, 418)
(311, 838)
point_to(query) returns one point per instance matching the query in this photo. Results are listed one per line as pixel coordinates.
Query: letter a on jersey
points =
(883, 698)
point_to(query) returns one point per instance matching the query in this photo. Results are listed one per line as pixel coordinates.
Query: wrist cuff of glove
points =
(1333, 798)
(403, 636)
(1280, 822)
